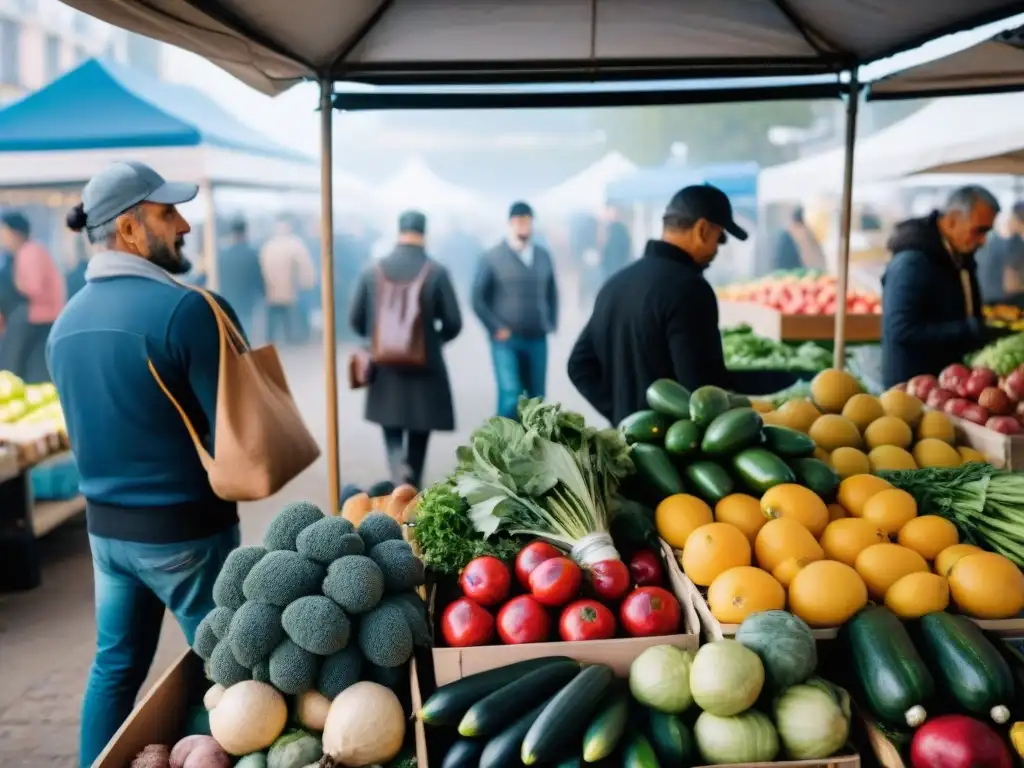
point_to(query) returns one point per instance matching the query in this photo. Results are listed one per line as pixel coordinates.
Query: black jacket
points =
(655, 318)
(925, 325)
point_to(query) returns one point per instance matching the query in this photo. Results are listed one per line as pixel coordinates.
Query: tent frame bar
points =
(327, 291)
(845, 221)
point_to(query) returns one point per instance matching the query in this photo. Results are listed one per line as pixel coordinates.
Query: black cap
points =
(413, 221)
(519, 208)
(703, 201)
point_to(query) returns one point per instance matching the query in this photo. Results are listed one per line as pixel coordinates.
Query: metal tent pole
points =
(210, 239)
(327, 289)
(845, 222)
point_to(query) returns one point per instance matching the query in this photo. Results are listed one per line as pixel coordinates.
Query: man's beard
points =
(171, 260)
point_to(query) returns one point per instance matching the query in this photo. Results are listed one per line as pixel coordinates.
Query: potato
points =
(199, 752)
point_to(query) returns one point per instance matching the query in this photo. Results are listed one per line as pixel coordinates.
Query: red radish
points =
(938, 397)
(1007, 425)
(610, 579)
(1013, 385)
(523, 620)
(955, 406)
(486, 580)
(953, 375)
(921, 386)
(995, 400)
(975, 413)
(530, 557)
(464, 624)
(955, 741)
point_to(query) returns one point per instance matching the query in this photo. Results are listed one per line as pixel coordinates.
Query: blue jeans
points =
(134, 585)
(520, 367)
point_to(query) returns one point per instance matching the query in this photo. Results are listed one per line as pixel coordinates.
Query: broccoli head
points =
(328, 539)
(384, 636)
(227, 589)
(289, 523)
(317, 624)
(378, 527)
(411, 606)
(401, 568)
(339, 671)
(205, 640)
(283, 577)
(223, 668)
(255, 632)
(293, 670)
(220, 621)
(355, 583)
(261, 671)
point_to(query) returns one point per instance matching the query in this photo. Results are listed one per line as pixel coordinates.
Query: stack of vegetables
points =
(677, 708)
(1004, 316)
(744, 350)
(978, 395)
(801, 292)
(1001, 356)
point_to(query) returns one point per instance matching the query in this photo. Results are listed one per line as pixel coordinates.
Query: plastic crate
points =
(56, 480)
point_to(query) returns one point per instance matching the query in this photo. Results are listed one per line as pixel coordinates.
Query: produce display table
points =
(775, 325)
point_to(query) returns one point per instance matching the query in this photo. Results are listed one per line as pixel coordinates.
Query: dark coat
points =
(925, 323)
(418, 399)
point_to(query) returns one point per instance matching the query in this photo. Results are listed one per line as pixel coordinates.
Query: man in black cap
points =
(516, 298)
(658, 317)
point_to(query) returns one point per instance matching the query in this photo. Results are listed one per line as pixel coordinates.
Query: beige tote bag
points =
(260, 440)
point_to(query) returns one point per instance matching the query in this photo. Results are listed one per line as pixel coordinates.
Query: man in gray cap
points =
(157, 531)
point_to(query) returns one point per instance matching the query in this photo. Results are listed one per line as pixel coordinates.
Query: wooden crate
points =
(772, 324)
(1003, 451)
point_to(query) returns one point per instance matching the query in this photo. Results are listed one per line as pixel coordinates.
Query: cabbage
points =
(746, 738)
(659, 678)
(813, 719)
(295, 749)
(726, 678)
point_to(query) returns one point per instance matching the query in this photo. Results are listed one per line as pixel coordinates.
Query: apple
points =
(977, 383)
(1006, 425)
(920, 386)
(938, 398)
(975, 413)
(995, 400)
(955, 406)
(952, 375)
(1013, 384)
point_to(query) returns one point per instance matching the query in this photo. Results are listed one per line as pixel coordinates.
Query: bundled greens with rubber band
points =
(985, 503)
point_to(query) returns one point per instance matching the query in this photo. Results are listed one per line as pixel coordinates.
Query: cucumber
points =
(709, 481)
(450, 702)
(760, 469)
(816, 475)
(605, 732)
(731, 432)
(656, 470)
(502, 751)
(645, 427)
(670, 398)
(967, 665)
(565, 718)
(464, 753)
(897, 685)
(682, 438)
(639, 753)
(670, 738)
(492, 713)
(707, 404)
(783, 441)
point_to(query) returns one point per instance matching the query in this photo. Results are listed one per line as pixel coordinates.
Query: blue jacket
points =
(139, 469)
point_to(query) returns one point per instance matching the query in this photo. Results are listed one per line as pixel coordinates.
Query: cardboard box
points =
(1003, 451)
(772, 324)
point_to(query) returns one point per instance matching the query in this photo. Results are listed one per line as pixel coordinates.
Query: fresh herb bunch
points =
(446, 536)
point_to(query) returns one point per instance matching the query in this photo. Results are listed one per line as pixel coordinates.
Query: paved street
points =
(47, 635)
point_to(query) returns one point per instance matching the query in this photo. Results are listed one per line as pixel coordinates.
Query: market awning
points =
(993, 66)
(271, 44)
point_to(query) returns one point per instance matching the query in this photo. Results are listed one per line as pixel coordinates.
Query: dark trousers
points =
(407, 453)
(520, 367)
(281, 325)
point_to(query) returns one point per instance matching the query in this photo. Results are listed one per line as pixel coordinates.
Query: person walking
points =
(288, 270)
(241, 279)
(515, 295)
(796, 246)
(158, 533)
(406, 304)
(32, 294)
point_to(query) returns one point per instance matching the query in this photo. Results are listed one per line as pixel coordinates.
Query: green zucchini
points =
(760, 469)
(604, 733)
(565, 718)
(670, 398)
(783, 441)
(670, 738)
(707, 404)
(816, 475)
(968, 665)
(639, 753)
(464, 753)
(896, 682)
(502, 751)
(709, 481)
(573, 761)
(656, 470)
(450, 702)
(645, 427)
(732, 431)
(682, 438)
(492, 713)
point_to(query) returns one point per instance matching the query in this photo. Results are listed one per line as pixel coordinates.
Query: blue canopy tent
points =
(53, 140)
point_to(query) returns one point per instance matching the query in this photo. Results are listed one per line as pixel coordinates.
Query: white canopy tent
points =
(586, 190)
(415, 185)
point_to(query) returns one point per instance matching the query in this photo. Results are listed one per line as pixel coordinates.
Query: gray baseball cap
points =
(121, 186)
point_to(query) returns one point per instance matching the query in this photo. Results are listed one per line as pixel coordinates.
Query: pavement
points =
(47, 635)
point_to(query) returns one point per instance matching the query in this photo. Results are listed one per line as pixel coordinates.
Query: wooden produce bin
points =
(772, 324)
(1003, 451)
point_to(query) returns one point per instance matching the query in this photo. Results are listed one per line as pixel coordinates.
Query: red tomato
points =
(530, 557)
(586, 620)
(486, 580)
(645, 568)
(464, 623)
(610, 579)
(650, 611)
(523, 620)
(555, 582)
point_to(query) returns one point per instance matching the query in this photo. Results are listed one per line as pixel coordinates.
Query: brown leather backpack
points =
(398, 321)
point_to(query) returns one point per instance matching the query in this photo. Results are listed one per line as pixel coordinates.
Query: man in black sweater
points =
(658, 317)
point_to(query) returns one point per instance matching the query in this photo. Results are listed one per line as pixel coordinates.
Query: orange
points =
(836, 512)
(855, 491)
(882, 565)
(928, 535)
(844, 539)
(713, 549)
(680, 515)
(890, 510)
(987, 586)
(743, 511)
(739, 592)
(917, 594)
(798, 503)
(827, 594)
(948, 557)
(782, 539)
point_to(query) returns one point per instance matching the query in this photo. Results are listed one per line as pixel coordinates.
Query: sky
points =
(290, 118)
